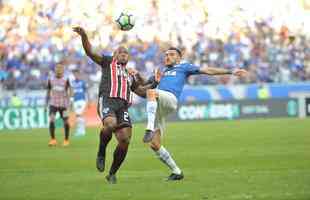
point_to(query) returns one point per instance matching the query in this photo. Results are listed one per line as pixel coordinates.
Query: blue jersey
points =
(79, 90)
(174, 78)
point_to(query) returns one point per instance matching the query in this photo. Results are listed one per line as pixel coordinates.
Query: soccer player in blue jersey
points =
(164, 99)
(80, 95)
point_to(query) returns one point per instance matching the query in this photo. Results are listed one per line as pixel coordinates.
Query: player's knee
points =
(154, 146)
(52, 118)
(66, 121)
(125, 139)
(110, 124)
(151, 94)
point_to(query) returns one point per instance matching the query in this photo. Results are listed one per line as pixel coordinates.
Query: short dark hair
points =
(76, 70)
(177, 50)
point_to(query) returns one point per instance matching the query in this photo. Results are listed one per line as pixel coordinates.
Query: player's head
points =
(172, 56)
(121, 54)
(77, 74)
(59, 70)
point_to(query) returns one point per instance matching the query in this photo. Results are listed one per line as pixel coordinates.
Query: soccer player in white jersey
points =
(164, 99)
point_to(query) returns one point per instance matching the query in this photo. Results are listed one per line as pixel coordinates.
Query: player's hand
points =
(240, 72)
(157, 74)
(79, 30)
(132, 71)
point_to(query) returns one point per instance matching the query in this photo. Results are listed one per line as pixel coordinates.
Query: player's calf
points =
(67, 131)
(52, 141)
(105, 137)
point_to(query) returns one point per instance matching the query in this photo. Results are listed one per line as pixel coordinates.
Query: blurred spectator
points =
(35, 34)
(16, 101)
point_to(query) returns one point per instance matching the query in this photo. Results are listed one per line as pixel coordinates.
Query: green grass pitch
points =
(221, 160)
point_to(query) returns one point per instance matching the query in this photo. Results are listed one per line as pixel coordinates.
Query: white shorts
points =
(79, 107)
(167, 103)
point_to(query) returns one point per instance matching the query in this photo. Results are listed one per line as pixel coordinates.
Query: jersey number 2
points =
(126, 116)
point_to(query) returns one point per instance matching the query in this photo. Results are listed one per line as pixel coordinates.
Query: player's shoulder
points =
(107, 59)
(185, 64)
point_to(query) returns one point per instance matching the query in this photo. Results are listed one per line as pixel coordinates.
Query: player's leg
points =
(151, 107)
(52, 114)
(165, 157)
(167, 104)
(106, 112)
(109, 125)
(123, 136)
(79, 107)
(64, 114)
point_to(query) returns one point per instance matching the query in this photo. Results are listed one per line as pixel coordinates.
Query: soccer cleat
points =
(65, 143)
(52, 143)
(148, 136)
(175, 177)
(111, 178)
(100, 162)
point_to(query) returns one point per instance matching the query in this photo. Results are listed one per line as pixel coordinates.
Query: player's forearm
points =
(215, 71)
(86, 45)
(88, 50)
(140, 80)
(141, 89)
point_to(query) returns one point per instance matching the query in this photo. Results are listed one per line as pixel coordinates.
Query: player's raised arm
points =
(87, 46)
(221, 71)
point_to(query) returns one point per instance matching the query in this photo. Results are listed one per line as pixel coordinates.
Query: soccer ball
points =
(125, 21)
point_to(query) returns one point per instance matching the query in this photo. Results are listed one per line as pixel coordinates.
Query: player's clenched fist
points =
(79, 30)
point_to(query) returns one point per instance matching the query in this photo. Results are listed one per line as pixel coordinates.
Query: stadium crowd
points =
(34, 35)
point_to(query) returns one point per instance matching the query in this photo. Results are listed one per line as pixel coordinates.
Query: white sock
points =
(166, 158)
(82, 130)
(80, 126)
(151, 107)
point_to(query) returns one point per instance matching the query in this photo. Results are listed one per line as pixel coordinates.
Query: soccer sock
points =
(82, 121)
(104, 138)
(80, 125)
(52, 130)
(166, 158)
(151, 107)
(118, 157)
(67, 130)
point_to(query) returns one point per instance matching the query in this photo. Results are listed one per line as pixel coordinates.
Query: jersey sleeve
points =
(192, 69)
(106, 61)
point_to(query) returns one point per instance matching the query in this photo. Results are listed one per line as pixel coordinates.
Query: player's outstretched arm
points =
(87, 46)
(220, 71)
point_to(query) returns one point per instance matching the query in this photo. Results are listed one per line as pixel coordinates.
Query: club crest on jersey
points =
(170, 73)
(105, 110)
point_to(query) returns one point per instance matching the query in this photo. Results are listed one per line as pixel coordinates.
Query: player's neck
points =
(170, 66)
(122, 64)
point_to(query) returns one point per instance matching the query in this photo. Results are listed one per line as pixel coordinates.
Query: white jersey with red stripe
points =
(59, 92)
(115, 80)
